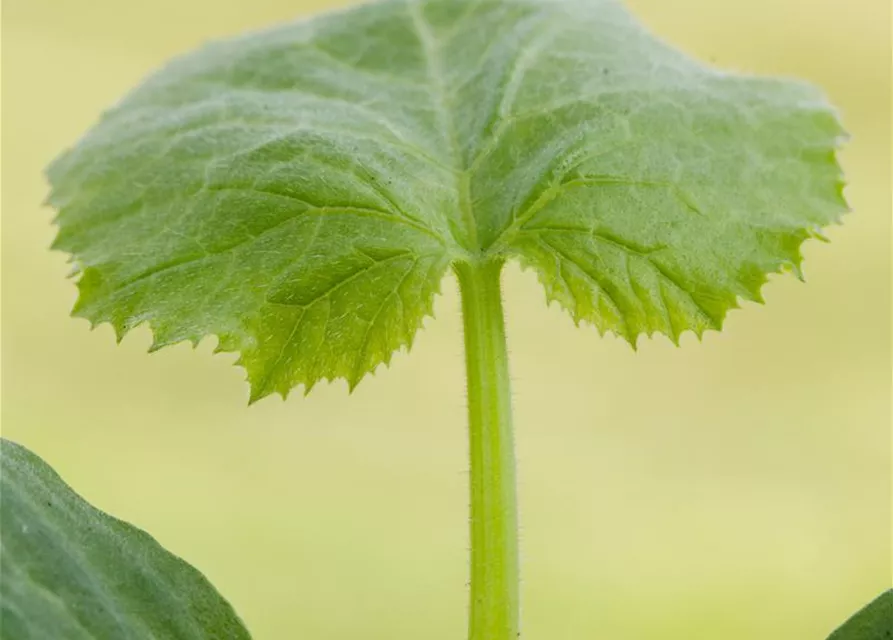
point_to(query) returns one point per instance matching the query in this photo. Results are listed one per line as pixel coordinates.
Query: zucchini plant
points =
(300, 194)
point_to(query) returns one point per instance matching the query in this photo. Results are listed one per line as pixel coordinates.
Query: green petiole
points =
(495, 600)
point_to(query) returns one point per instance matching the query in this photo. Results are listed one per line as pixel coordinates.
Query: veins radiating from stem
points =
(436, 75)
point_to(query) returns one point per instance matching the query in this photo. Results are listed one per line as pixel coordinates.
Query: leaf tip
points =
(256, 394)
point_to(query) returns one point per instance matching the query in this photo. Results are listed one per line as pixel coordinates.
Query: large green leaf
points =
(71, 572)
(874, 622)
(300, 193)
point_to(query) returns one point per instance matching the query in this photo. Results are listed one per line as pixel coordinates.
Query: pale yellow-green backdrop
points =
(737, 489)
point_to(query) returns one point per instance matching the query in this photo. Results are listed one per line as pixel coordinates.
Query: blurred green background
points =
(735, 489)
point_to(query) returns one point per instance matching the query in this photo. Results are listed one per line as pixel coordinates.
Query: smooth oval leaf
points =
(72, 572)
(874, 622)
(301, 192)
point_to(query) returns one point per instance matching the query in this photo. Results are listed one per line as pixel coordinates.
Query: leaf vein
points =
(343, 283)
(595, 281)
(447, 126)
(364, 343)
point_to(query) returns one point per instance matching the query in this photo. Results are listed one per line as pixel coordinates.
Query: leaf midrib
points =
(434, 65)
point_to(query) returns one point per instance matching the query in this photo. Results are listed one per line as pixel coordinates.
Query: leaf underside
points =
(71, 572)
(300, 193)
(874, 622)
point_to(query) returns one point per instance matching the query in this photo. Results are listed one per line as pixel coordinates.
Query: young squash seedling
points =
(301, 193)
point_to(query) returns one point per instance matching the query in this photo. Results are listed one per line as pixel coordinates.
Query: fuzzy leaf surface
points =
(874, 622)
(72, 572)
(300, 193)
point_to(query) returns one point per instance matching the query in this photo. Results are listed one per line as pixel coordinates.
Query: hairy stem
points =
(494, 611)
